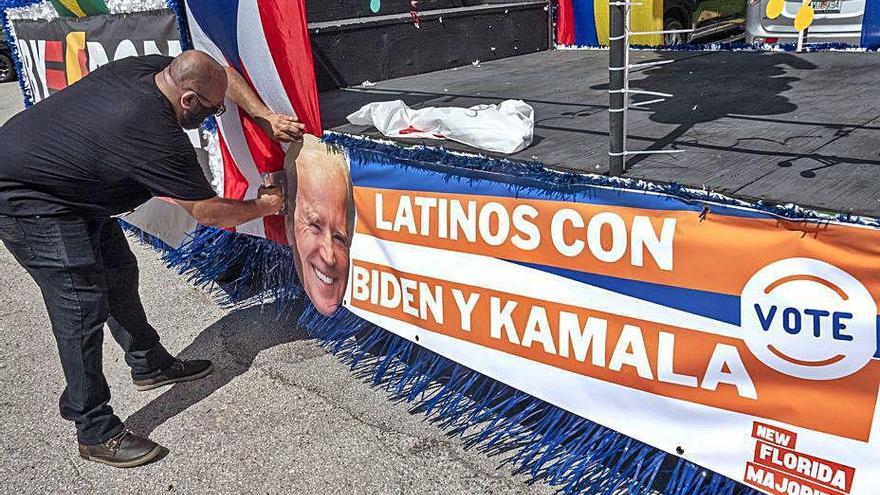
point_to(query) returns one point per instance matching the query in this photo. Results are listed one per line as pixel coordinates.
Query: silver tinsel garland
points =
(215, 159)
(45, 11)
(37, 11)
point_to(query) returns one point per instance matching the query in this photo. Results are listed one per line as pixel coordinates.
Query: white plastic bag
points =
(507, 127)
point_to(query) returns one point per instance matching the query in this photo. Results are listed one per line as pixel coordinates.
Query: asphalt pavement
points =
(279, 415)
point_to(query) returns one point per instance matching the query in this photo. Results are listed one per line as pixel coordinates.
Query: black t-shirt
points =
(101, 147)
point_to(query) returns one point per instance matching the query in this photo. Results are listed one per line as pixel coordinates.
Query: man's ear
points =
(186, 100)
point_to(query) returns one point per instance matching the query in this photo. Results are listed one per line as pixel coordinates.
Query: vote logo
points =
(809, 319)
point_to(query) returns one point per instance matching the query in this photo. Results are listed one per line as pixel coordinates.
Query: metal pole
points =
(616, 90)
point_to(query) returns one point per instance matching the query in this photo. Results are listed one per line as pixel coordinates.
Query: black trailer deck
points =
(777, 126)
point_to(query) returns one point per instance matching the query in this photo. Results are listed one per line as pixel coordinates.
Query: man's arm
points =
(279, 127)
(220, 212)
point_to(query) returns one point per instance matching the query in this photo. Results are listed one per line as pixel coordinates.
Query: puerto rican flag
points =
(267, 41)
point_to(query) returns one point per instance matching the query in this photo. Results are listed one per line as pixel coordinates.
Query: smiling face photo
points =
(320, 223)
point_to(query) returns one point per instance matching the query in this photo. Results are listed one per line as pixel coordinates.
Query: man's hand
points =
(280, 127)
(220, 212)
(272, 199)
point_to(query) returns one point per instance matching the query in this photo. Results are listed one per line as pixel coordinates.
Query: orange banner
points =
(690, 365)
(719, 255)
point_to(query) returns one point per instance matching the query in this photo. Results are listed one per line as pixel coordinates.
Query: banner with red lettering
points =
(55, 54)
(737, 339)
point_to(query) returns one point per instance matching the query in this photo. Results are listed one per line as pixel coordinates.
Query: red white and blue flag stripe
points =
(267, 41)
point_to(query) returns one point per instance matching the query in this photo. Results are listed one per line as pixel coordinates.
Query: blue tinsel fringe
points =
(13, 48)
(543, 441)
(179, 10)
(735, 46)
(240, 269)
(6, 4)
(742, 46)
(145, 237)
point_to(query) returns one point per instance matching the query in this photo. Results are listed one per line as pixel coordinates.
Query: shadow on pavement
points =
(232, 343)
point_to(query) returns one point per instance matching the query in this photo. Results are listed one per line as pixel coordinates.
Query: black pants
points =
(88, 277)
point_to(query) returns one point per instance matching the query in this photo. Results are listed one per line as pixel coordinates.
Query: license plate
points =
(826, 7)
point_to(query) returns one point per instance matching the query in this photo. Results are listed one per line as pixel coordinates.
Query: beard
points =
(192, 119)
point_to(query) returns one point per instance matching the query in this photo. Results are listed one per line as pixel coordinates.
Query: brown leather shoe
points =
(125, 450)
(180, 371)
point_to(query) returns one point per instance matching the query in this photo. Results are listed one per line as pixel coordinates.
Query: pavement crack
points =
(318, 393)
(422, 445)
(76, 469)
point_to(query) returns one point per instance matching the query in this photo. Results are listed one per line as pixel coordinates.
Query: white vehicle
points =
(836, 21)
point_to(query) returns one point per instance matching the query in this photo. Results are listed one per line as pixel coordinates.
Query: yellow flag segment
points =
(774, 8)
(804, 17)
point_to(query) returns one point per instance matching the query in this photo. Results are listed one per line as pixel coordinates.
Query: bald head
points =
(195, 84)
(197, 71)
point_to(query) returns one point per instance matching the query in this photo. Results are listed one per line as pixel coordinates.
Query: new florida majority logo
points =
(809, 319)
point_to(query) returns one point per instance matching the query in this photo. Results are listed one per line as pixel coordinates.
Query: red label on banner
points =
(830, 474)
(774, 435)
(780, 483)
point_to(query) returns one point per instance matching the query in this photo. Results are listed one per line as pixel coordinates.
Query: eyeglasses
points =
(217, 110)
